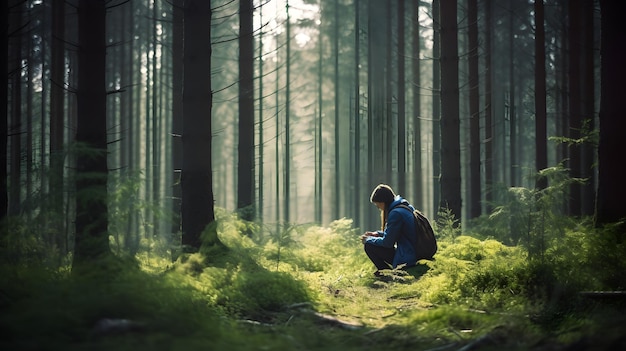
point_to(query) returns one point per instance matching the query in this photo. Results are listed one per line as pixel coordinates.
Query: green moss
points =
(245, 297)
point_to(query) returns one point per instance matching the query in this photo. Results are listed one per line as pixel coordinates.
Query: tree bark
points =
(197, 178)
(92, 239)
(245, 174)
(488, 108)
(418, 196)
(401, 99)
(177, 112)
(450, 123)
(474, 109)
(611, 151)
(4, 46)
(436, 125)
(541, 136)
(57, 118)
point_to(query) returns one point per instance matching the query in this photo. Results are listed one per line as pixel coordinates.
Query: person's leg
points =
(382, 257)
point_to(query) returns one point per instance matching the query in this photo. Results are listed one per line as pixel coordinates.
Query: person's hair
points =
(382, 193)
(383, 217)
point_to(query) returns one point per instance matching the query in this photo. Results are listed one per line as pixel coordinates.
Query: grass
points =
(312, 288)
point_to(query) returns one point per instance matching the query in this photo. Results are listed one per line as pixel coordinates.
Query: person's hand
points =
(367, 234)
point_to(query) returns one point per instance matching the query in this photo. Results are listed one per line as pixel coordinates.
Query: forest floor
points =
(383, 314)
(313, 288)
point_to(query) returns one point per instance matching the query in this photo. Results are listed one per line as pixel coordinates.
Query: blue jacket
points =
(399, 231)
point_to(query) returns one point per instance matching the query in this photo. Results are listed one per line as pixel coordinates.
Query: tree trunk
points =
(177, 112)
(418, 196)
(245, 174)
(611, 151)
(319, 144)
(513, 147)
(401, 100)
(474, 110)
(261, 150)
(155, 137)
(337, 191)
(488, 108)
(4, 46)
(287, 170)
(436, 148)
(588, 152)
(450, 140)
(57, 119)
(92, 238)
(357, 113)
(541, 137)
(15, 130)
(197, 178)
(575, 106)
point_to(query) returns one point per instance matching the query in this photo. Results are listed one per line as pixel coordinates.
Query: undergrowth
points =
(286, 287)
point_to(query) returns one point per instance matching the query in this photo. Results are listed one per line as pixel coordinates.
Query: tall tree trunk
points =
(488, 108)
(277, 146)
(588, 101)
(92, 238)
(146, 26)
(319, 144)
(28, 132)
(474, 109)
(357, 113)
(418, 196)
(131, 115)
(387, 116)
(575, 102)
(245, 174)
(436, 106)
(15, 130)
(4, 46)
(57, 119)
(261, 147)
(541, 137)
(155, 139)
(337, 191)
(581, 104)
(450, 128)
(287, 170)
(197, 177)
(512, 101)
(177, 112)
(401, 99)
(611, 150)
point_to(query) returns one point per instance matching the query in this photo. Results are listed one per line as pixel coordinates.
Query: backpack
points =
(426, 243)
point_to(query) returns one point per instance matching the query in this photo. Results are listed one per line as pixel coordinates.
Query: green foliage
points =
(446, 226)
(64, 312)
(245, 295)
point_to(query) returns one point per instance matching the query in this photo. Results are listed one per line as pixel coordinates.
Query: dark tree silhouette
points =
(450, 139)
(612, 148)
(177, 110)
(57, 118)
(245, 167)
(92, 239)
(436, 155)
(4, 45)
(197, 178)
(541, 134)
(474, 110)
